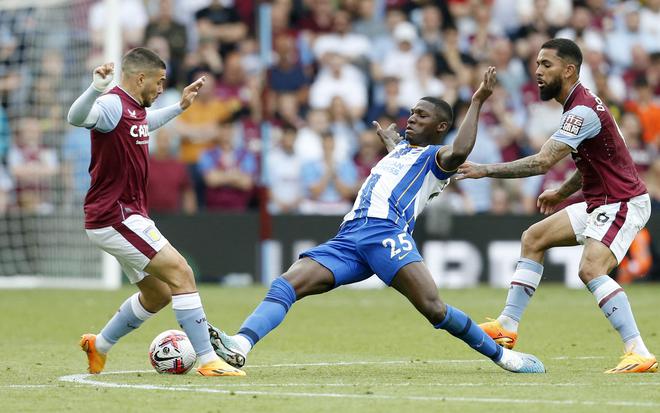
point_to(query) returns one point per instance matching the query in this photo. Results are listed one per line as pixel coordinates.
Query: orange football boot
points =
(504, 338)
(95, 359)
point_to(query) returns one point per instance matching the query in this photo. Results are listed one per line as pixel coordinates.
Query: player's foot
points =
(95, 359)
(226, 348)
(503, 337)
(634, 363)
(219, 368)
(517, 362)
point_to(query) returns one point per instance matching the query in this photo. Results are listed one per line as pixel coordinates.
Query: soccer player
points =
(617, 205)
(115, 207)
(375, 237)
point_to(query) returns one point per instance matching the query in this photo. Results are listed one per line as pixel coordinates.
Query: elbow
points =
(72, 119)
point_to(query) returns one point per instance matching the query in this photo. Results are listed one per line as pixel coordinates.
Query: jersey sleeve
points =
(578, 124)
(437, 170)
(109, 110)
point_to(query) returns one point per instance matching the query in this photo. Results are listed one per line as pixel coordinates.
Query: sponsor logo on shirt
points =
(140, 131)
(131, 113)
(572, 124)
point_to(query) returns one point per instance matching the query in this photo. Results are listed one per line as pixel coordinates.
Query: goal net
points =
(46, 59)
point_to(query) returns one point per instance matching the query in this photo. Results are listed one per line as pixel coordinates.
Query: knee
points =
(435, 310)
(183, 279)
(532, 239)
(587, 272)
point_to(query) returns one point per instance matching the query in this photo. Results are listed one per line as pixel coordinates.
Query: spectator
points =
(163, 25)
(330, 185)
(344, 129)
(371, 151)
(285, 187)
(631, 129)
(222, 24)
(353, 46)
(648, 112)
(423, 83)
(308, 141)
(170, 187)
(33, 167)
(228, 173)
(401, 60)
(339, 78)
(197, 127)
(389, 105)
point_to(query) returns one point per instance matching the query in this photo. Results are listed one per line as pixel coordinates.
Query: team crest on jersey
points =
(572, 124)
(152, 233)
(132, 113)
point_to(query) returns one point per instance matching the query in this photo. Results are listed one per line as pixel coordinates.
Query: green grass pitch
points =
(345, 351)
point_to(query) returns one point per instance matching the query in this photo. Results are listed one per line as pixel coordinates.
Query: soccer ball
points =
(171, 352)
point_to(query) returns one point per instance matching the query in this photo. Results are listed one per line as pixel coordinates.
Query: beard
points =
(550, 91)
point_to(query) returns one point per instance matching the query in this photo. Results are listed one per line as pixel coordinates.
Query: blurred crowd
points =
(335, 67)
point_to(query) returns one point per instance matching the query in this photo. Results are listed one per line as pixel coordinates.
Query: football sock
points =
(459, 325)
(270, 313)
(244, 345)
(190, 315)
(613, 302)
(524, 282)
(131, 315)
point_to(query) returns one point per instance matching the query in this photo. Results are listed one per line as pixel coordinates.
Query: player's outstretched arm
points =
(550, 198)
(390, 137)
(82, 111)
(451, 158)
(551, 153)
(159, 117)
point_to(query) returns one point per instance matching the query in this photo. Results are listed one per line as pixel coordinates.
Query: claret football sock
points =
(524, 283)
(131, 315)
(613, 302)
(270, 313)
(459, 325)
(191, 317)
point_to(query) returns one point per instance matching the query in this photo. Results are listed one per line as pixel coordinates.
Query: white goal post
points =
(46, 60)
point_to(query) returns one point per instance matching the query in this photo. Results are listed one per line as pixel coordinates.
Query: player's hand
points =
(487, 85)
(548, 201)
(190, 92)
(470, 170)
(390, 137)
(102, 76)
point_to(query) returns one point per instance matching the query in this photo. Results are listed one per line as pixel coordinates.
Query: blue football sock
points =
(524, 283)
(613, 301)
(270, 313)
(192, 319)
(459, 325)
(131, 315)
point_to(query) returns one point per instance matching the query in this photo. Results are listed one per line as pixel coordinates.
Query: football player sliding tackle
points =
(375, 237)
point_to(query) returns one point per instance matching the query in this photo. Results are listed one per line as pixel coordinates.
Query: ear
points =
(570, 70)
(140, 79)
(442, 126)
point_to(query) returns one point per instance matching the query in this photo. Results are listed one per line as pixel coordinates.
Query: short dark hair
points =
(141, 58)
(566, 49)
(442, 108)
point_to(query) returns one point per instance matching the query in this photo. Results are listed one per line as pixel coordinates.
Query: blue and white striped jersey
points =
(401, 185)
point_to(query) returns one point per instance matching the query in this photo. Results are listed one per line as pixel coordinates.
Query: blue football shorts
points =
(364, 247)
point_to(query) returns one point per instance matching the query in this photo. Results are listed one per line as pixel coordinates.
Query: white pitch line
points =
(26, 386)
(85, 379)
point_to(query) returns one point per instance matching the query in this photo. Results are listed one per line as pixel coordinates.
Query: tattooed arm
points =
(551, 153)
(571, 185)
(550, 198)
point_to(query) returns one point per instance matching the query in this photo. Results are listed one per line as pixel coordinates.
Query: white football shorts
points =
(133, 242)
(615, 225)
